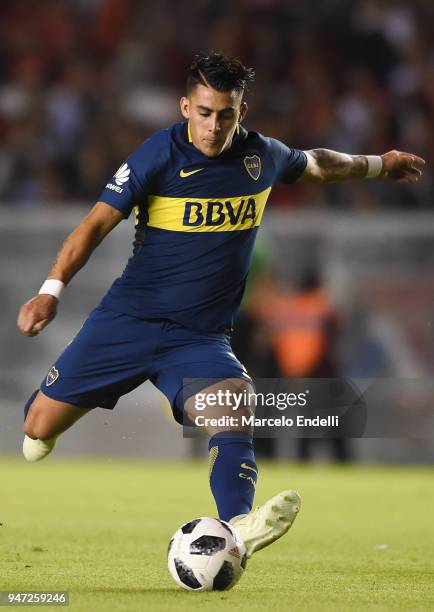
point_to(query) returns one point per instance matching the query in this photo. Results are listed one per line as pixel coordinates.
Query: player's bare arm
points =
(35, 314)
(326, 166)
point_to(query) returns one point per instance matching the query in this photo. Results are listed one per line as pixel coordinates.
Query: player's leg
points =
(45, 420)
(233, 470)
(104, 361)
(47, 417)
(190, 363)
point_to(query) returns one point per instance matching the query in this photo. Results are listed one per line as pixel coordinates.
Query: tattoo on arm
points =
(334, 166)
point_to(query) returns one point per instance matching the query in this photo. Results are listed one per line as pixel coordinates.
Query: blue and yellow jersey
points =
(196, 223)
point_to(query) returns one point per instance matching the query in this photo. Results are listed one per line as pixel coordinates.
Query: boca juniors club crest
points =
(52, 376)
(252, 164)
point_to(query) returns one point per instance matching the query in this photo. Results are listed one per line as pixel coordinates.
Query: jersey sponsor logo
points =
(252, 164)
(114, 188)
(206, 215)
(52, 376)
(216, 213)
(184, 174)
(122, 175)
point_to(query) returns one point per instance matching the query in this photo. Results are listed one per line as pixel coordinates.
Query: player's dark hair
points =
(219, 72)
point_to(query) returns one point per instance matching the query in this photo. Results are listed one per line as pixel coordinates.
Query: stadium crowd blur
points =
(83, 82)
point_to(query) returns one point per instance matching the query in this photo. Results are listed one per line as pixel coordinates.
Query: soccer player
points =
(198, 190)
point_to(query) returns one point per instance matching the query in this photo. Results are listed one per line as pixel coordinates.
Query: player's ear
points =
(184, 104)
(243, 110)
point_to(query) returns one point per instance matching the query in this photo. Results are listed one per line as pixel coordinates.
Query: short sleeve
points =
(133, 181)
(289, 163)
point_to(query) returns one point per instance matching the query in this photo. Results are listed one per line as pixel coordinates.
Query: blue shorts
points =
(113, 353)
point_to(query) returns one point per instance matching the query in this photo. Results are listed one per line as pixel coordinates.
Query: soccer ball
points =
(206, 554)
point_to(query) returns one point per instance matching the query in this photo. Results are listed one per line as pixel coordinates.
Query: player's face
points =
(213, 117)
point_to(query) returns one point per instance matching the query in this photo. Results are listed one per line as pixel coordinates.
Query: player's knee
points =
(28, 426)
(225, 406)
(37, 429)
(223, 398)
(29, 429)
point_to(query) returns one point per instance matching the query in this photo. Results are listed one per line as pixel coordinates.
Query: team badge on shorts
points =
(252, 164)
(52, 376)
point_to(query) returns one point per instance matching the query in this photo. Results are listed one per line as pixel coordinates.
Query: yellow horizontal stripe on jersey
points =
(207, 215)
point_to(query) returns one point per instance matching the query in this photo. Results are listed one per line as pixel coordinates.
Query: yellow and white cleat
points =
(35, 450)
(268, 522)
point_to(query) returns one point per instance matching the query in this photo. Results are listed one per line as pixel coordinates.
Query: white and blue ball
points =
(206, 554)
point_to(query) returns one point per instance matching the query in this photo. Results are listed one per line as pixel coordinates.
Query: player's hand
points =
(36, 314)
(402, 167)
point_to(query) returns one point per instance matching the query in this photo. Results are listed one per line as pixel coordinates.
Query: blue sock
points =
(233, 473)
(29, 403)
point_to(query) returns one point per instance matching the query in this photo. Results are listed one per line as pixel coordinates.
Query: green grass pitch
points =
(100, 528)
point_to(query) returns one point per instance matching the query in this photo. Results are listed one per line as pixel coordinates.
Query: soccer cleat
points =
(268, 522)
(35, 450)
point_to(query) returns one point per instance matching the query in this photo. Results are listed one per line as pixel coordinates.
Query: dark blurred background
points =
(83, 82)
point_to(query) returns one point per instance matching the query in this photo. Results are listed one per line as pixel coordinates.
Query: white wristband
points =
(52, 287)
(375, 165)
